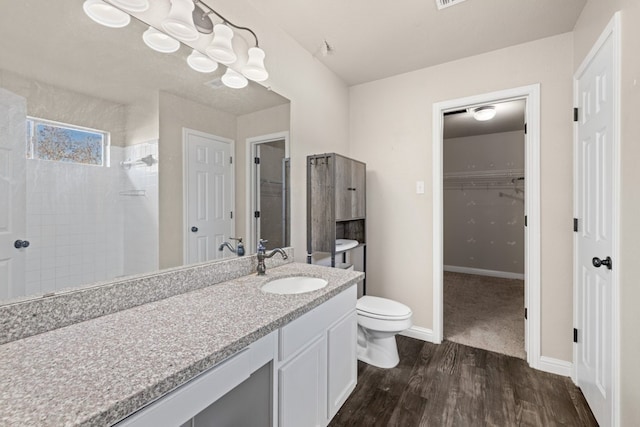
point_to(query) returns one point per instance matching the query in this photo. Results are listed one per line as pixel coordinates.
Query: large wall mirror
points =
(112, 197)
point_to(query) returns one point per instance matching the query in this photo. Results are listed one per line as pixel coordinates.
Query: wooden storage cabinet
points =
(336, 202)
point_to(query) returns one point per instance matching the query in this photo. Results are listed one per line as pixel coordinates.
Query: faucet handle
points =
(261, 243)
(239, 239)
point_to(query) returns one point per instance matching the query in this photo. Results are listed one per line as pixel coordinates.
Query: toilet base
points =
(381, 352)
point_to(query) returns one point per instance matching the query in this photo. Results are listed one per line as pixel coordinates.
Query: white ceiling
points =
(374, 39)
(62, 47)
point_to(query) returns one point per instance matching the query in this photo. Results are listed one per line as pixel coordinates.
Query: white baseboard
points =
(419, 333)
(483, 272)
(555, 366)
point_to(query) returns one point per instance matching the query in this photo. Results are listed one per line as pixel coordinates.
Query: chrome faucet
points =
(239, 250)
(263, 254)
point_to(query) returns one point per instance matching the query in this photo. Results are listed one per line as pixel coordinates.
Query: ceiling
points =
(374, 39)
(509, 117)
(62, 47)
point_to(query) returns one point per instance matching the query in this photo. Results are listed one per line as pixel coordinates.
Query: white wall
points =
(484, 223)
(591, 23)
(391, 131)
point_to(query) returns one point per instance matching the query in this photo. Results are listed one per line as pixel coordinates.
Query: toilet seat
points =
(382, 308)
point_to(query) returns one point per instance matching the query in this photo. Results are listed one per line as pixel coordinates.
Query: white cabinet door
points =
(342, 369)
(303, 387)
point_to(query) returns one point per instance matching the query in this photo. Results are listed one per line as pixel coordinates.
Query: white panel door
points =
(209, 195)
(594, 244)
(12, 194)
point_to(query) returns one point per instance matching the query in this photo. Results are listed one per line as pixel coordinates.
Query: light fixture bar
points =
(226, 21)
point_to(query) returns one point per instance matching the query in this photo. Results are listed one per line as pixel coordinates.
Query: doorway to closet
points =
(484, 196)
(529, 189)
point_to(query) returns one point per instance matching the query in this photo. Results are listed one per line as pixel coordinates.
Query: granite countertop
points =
(96, 372)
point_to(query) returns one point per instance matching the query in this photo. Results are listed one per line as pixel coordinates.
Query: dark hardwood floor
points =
(454, 385)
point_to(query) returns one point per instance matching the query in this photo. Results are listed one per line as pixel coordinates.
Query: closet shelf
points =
(480, 180)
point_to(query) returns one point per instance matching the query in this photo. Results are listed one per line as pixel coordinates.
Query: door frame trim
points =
(613, 29)
(531, 94)
(185, 187)
(251, 143)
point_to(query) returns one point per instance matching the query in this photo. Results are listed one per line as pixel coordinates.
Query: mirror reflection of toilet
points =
(379, 321)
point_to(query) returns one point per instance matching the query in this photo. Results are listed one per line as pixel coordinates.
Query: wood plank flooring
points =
(455, 385)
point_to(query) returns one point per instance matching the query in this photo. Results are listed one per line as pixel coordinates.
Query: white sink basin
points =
(294, 285)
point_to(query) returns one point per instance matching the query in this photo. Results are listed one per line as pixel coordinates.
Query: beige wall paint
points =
(590, 25)
(175, 114)
(264, 122)
(391, 131)
(319, 104)
(143, 120)
(482, 229)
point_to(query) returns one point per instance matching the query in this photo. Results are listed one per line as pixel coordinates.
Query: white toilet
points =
(379, 321)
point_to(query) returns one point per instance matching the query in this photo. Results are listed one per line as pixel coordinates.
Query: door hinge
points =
(525, 220)
(231, 213)
(525, 128)
(256, 160)
(575, 335)
(525, 313)
(230, 160)
(575, 114)
(575, 225)
(256, 214)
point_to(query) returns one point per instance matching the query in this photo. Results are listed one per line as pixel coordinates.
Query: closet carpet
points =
(485, 312)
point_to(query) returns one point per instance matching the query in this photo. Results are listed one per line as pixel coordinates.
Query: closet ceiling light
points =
(179, 22)
(201, 63)
(105, 14)
(159, 41)
(483, 114)
(132, 5)
(234, 80)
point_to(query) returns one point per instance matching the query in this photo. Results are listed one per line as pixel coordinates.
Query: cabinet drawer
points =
(301, 331)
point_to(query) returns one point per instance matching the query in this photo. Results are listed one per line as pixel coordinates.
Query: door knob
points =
(194, 229)
(597, 262)
(21, 244)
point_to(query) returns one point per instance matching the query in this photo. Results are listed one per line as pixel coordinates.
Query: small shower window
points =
(61, 142)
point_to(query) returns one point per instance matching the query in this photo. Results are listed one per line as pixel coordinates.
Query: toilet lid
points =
(377, 307)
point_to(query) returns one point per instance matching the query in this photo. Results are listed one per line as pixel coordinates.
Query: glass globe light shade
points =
(105, 14)
(482, 114)
(159, 41)
(234, 80)
(220, 48)
(132, 5)
(201, 63)
(179, 22)
(254, 69)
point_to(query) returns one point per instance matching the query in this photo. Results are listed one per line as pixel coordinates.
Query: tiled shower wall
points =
(77, 221)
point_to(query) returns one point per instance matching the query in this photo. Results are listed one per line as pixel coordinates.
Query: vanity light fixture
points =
(220, 48)
(201, 62)
(186, 21)
(179, 22)
(234, 80)
(132, 5)
(105, 14)
(159, 41)
(482, 114)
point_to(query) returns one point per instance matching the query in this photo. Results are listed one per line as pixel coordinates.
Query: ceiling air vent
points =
(446, 3)
(215, 83)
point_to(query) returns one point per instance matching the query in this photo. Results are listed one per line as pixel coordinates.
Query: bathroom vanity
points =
(225, 354)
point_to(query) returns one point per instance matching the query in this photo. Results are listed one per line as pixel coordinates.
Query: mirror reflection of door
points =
(208, 195)
(270, 191)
